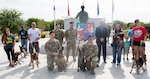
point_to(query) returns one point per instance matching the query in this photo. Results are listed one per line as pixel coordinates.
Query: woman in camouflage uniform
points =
(52, 47)
(90, 51)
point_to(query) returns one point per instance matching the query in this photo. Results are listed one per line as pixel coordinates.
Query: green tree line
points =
(11, 18)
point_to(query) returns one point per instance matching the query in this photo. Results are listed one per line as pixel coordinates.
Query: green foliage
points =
(43, 35)
(147, 26)
(10, 18)
(116, 22)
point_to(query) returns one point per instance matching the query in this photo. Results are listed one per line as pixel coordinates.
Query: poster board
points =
(84, 29)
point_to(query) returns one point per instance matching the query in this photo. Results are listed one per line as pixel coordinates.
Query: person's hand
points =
(101, 39)
(142, 41)
(12, 48)
(88, 59)
(4, 44)
(55, 54)
(30, 42)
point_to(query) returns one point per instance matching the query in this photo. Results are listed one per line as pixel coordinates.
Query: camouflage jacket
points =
(59, 34)
(70, 34)
(52, 46)
(90, 49)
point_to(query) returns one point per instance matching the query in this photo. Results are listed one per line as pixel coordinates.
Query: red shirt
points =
(139, 33)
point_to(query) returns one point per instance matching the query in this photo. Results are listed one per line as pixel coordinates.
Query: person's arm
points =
(77, 15)
(47, 49)
(14, 42)
(66, 35)
(39, 34)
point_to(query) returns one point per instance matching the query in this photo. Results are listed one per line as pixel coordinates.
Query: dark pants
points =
(9, 51)
(34, 45)
(102, 45)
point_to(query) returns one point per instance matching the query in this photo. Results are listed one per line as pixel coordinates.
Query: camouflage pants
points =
(91, 65)
(50, 62)
(71, 45)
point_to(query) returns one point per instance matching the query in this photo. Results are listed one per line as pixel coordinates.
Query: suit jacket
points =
(101, 32)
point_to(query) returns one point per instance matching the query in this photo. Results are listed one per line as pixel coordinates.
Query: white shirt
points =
(34, 34)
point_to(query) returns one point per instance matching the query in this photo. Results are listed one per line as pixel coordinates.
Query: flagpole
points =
(112, 12)
(68, 8)
(54, 13)
(97, 8)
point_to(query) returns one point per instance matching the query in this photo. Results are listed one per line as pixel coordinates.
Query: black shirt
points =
(23, 34)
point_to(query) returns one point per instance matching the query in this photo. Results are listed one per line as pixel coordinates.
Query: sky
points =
(124, 10)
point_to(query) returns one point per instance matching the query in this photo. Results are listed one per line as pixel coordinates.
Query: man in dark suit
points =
(101, 33)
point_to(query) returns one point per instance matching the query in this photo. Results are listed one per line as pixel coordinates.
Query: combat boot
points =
(92, 71)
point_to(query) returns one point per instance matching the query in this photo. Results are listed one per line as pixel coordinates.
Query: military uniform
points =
(90, 50)
(51, 47)
(59, 34)
(70, 36)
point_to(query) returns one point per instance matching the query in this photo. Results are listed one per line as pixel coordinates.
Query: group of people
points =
(134, 39)
(91, 50)
(8, 40)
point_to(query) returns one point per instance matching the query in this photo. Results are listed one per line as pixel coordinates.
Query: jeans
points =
(115, 53)
(24, 43)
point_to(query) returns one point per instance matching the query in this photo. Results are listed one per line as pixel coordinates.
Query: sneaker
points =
(118, 64)
(105, 62)
(113, 62)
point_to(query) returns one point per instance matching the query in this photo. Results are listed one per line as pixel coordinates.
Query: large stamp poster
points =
(83, 30)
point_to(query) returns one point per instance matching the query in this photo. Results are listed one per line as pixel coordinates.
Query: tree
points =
(10, 18)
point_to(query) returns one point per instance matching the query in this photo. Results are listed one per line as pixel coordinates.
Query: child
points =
(126, 47)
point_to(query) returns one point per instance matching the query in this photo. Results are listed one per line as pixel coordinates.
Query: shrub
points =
(43, 35)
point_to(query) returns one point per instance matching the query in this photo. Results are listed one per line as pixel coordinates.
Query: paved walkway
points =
(105, 71)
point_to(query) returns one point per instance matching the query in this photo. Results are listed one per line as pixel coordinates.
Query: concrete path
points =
(105, 71)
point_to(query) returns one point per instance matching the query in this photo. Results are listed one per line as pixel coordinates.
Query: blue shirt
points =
(126, 45)
(130, 33)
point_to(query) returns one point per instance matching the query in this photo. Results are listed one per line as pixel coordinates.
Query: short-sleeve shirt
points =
(139, 33)
(126, 45)
(34, 34)
(23, 34)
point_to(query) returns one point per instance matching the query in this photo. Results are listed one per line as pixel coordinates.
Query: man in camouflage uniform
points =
(90, 51)
(52, 47)
(70, 36)
(59, 34)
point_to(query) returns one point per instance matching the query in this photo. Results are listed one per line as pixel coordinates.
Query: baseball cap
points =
(137, 20)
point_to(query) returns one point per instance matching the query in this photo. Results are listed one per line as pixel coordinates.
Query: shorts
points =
(138, 44)
(34, 45)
